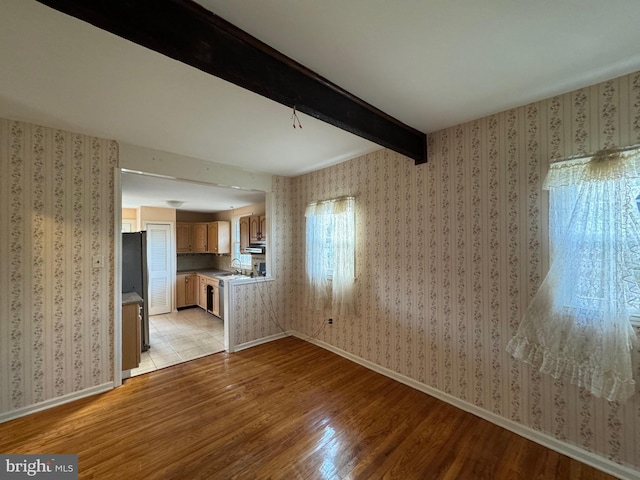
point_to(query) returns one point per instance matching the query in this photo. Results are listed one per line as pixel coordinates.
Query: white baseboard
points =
(260, 341)
(54, 402)
(577, 453)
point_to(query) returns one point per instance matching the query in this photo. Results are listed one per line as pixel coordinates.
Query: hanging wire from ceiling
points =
(294, 117)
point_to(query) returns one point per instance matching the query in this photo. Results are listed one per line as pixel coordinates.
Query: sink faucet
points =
(238, 269)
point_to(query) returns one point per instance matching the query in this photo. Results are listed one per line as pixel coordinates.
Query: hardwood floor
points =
(283, 410)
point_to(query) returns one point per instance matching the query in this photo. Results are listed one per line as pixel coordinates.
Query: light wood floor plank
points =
(287, 409)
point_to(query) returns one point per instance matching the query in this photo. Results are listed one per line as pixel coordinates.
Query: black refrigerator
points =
(135, 276)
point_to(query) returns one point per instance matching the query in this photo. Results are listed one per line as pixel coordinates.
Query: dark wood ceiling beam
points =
(187, 32)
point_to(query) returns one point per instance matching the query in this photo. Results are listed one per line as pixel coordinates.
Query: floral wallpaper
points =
(260, 308)
(56, 192)
(449, 253)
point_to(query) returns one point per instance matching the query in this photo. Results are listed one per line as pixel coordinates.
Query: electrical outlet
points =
(98, 261)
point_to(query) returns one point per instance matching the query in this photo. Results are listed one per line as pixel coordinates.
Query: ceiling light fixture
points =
(174, 203)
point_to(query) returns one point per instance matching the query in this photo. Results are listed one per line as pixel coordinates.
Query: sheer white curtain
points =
(330, 241)
(577, 325)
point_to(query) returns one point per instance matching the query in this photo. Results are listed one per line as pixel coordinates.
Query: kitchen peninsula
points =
(205, 289)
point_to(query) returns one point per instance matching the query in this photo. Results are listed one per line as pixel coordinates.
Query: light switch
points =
(98, 261)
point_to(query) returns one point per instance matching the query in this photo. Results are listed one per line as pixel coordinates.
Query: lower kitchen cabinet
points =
(186, 290)
(131, 336)
(215, 307)
(202, 291)
(209, 284)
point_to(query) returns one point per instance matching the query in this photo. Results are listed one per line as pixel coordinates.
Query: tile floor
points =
(180, 336)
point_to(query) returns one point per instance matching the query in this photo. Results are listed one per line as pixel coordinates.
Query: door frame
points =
(178, 167)
(117, 281)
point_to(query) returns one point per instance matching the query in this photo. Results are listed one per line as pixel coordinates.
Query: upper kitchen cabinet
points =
(219, 237)
(258, 230)
(200, 238)
(203, 237)
(263, 228)
(244, 234)
(183, 237)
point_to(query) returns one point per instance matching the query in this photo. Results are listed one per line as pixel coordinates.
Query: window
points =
(330, 255)
(578, 324)
(635, 318)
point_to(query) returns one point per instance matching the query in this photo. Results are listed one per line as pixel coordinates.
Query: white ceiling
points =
(430, 63)
(437, 63)
(153, 191)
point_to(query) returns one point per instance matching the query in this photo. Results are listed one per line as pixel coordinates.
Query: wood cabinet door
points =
(254, 229)
(244, 234)
(200, 236)
(224, 237)
(183, 237)
(181, 290)
(213, 237)
(216, 300)
(202, 292)
(220, 237)
(263, 228)
(130, 336)
(258, 229)
(191, 290)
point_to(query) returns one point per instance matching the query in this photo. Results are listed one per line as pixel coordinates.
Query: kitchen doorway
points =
(176, 336)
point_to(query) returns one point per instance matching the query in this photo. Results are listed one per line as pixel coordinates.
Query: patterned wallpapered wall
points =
(260, 309)
(449, 254)
(56, 198)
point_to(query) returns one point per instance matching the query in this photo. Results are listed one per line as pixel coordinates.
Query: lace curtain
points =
(577, 324)
(330, 269)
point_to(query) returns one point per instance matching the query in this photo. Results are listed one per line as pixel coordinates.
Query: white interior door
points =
(159, 265)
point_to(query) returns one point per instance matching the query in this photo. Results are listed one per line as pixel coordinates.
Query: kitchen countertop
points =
(131, 297)
(217, 274)
(203, 271)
